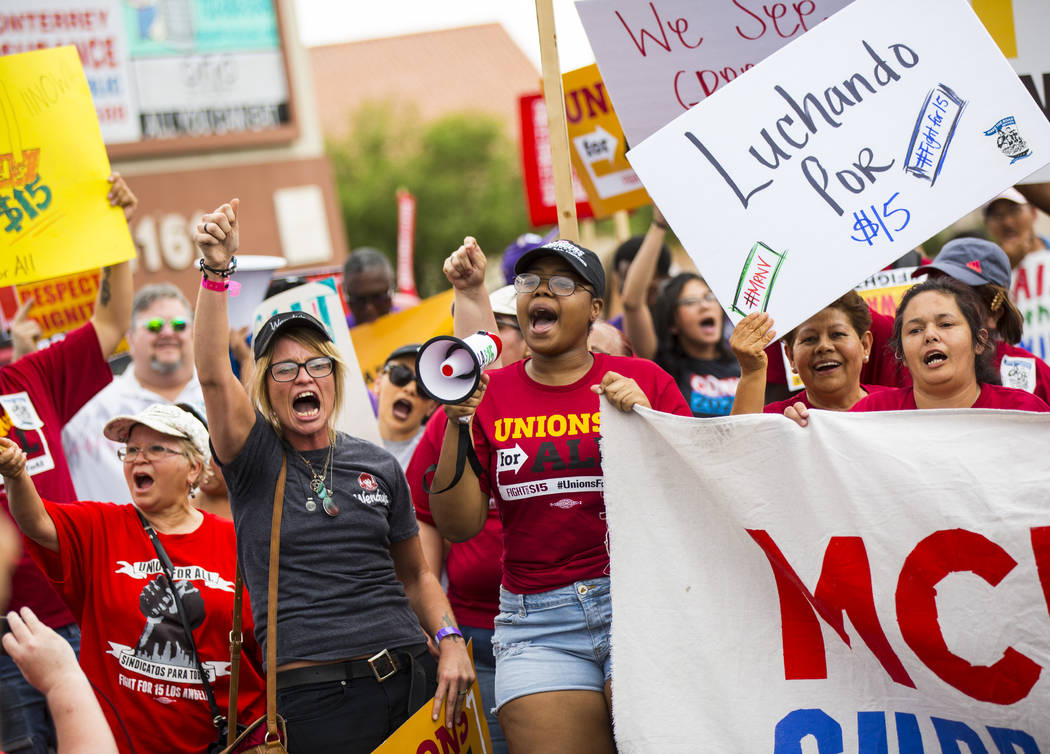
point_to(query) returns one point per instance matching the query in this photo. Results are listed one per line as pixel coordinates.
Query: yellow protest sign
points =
(597, 145)
(54, 215)
(884, 290)
(421, 735)
(374, 341)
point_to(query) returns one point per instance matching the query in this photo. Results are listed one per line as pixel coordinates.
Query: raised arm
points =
(112, 315)
(27, 509)
(230, 413)
(465, 270)
(748, 341)
(637, 319)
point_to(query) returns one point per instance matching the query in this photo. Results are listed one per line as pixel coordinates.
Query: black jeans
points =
(344, 717)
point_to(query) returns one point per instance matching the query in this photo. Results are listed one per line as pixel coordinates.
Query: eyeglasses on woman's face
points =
(152, 453)
(707, 298)
(559, 285)
(287, 371)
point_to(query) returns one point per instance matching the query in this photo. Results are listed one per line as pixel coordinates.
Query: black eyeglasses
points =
(559, 285)
(287, 371)
(155, 325)
(399, 374)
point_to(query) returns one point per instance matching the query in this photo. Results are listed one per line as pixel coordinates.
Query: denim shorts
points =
(553, 641)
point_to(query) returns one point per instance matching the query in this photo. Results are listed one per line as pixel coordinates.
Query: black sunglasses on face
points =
(399, 374)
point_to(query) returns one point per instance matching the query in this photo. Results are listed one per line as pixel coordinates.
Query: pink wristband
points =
(214, 285)
(447, 631)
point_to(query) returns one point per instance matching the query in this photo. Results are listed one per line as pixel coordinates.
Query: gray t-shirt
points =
(338, 595)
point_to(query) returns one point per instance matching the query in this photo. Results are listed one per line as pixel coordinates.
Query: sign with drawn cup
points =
(841, 152)
(597, 145)
(54, 216)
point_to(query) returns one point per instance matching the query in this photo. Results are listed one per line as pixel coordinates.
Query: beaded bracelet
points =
(232, 268)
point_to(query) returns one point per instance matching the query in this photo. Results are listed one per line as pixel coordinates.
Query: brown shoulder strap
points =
(236, 641)
(271, 605)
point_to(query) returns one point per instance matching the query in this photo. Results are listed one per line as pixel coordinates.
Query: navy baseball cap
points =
(973, 261)
(583, 261)
(281, 322)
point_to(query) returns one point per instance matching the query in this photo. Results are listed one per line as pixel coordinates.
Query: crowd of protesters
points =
(367, 568)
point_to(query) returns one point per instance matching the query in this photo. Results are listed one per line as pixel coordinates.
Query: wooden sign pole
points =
(568, 227)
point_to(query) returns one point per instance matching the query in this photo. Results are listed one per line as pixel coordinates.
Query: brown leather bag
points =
(276, 733)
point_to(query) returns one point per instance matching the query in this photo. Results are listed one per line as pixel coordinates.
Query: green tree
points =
(463, 170)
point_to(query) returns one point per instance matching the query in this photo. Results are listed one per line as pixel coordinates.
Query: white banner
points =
(841, 152)
(871, 583)
(658, 58)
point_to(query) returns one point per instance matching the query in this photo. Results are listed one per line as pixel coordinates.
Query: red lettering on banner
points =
(1008, 680)
(1041, 549)
(844, 587)
(1021, 281)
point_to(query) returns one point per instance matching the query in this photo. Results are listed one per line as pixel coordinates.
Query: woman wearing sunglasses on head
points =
(536, 432)
(122, 568)
(355, 597)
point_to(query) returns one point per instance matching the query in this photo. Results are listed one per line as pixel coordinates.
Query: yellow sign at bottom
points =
(421, 735)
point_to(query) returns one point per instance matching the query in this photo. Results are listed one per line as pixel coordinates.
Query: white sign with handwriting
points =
(841, 152)
(658, 58)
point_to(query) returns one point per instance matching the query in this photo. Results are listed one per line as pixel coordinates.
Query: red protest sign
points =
(537, 167)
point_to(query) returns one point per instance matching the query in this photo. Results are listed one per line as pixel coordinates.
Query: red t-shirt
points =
(133, 647)
(473, 567)
(991, 396)
(39, 393)
(539, 446)
(779, 407)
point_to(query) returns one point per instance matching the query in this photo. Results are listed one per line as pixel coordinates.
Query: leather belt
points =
(379, 666)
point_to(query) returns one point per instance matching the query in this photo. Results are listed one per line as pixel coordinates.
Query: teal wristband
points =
(447, 631)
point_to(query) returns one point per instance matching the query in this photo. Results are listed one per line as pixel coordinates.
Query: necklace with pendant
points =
(318, 487)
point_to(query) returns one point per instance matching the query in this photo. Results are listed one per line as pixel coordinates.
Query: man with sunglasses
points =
(160, 343)
(368, 280)
(402, 410)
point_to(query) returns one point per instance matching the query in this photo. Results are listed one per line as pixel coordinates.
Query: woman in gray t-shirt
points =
(355, 595)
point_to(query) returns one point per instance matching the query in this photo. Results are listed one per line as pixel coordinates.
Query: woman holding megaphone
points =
(535, 429)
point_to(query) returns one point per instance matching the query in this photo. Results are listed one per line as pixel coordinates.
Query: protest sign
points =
(841, 152)
(321, 301)
(660, 57)
(1021, 28)
(421, 735)
(597, 146)
(53, 168)
(825, 595)
(374, 341)
(537, 168)
(1030, 290)
(61, 304)
(97, 30)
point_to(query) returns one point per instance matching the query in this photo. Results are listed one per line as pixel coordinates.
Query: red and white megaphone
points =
(448, 369)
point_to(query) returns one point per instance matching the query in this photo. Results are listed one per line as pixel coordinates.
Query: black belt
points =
(379, 666)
